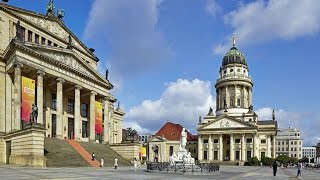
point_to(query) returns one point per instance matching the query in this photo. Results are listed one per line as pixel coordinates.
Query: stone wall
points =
(128, 151)
(27, 146)
(2, 151)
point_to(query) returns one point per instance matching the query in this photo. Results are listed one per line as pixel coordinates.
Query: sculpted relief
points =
(49, 25)
(69, 61)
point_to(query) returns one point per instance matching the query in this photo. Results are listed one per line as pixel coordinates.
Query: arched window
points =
(170, 150)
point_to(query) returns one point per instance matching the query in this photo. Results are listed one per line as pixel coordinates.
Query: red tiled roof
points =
(172, 131)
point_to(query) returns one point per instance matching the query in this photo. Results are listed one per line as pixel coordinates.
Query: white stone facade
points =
(65, 72)
(289, 142)
(309, 152)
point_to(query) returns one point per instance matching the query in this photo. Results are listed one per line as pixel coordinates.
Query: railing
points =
(182, 168)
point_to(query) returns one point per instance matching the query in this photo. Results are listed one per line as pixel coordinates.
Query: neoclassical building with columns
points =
(234, 133)
(41, 59)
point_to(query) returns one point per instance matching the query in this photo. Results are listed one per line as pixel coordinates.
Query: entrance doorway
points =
(8, 151)
(70, 128)
(54, 125)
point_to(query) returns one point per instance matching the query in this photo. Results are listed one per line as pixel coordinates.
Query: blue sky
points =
(164, 55)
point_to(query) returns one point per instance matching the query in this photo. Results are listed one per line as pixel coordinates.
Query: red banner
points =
(98, 114)
(27, 97)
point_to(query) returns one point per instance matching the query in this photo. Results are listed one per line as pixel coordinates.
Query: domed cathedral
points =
(50, 87)
(235, 133)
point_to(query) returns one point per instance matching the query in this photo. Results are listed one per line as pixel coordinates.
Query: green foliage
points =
(253, 161)
(267, 161)
(284, 159)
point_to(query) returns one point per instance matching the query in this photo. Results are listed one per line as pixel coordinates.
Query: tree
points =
(267, 161)
(253, 161)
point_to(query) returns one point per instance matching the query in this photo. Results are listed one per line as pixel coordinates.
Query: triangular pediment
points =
(67, 58)
(52, 25)
(157, 139)
(226, 122)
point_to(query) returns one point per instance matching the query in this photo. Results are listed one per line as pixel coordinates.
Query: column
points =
(210, 148)
(231, 148)
(77, 114)
(250, 96)
(40, 97)
(17, 92)
(59, 116)
(268, 146)
(92, 116)
(274, 147)
(243, 153)
(200, 151)
(227, 97)
(255, 146)
(235, 96)
(242, 97)
(220, 91)
(106, 120)
(221, 147)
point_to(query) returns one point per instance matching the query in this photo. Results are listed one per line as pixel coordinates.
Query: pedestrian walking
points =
(115, 163)
(275, 167)
(101, 162)
(135, 163)
(92, 156)
(299, 169)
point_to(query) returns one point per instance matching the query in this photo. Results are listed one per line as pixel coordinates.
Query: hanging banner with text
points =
(98, 117)
(27, 97)
(142, 152)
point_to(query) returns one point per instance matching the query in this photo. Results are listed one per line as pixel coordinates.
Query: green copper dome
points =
(234, 56)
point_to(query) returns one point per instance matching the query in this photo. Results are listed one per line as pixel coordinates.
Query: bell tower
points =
(234, 85)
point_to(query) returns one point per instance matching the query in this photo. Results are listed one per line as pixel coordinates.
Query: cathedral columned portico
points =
(234, 133)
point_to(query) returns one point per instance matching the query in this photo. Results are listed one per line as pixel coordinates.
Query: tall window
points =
(49, 43)
(263, 154)
(84, 110)
(70, 106)
(205, 154)
(171, 150)
(54, 101)
(43, 41)
(238, 102)
(84, 129)
(36, 38)
(29, 36)
(237, 155)
(215, 155)
(231, 102)
(248, 154)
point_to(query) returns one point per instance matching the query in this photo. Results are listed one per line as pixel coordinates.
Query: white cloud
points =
(181, 102)
(136, 126)
(307, 123)
(128, 29)
(212, 7)
(262, 21)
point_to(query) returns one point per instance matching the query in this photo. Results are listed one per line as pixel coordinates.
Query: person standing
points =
(135, 163)
(275, 167)
(299, 169)
(101, 162)
(115, 163)
(93, 156)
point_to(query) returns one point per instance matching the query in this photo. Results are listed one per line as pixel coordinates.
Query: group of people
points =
(135, 162)
(93, 158)
(275, 168)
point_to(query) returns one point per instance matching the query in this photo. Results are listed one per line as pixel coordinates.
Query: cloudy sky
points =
(164, 55)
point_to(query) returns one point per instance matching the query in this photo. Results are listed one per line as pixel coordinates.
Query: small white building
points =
(309, 152)
(289, 142)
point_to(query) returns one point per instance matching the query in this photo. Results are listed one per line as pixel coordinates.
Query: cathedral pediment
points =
(52, 25)
(226, 123)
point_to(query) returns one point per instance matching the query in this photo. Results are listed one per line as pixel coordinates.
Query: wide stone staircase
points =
(105, 152)
(70, 153)
(60, 153)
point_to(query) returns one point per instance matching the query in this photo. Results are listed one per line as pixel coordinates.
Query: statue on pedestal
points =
(34, 114)
(183, 139)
